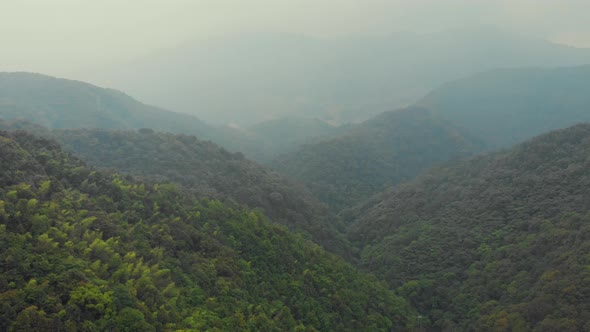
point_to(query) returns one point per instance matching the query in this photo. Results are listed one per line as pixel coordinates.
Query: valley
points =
(308, 166)
(464, 238)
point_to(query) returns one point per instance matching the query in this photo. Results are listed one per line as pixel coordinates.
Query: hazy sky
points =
(58, 36)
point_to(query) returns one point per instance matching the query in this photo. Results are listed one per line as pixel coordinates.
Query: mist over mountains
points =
(384, 151)
(60, 104)
(251, 77)
(507, 106)
(273, 181)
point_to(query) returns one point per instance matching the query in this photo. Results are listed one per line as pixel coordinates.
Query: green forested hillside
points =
(508, 106)
(497, 243)
(82, 250)
(367, 158)
(206, 170)
(203, 170)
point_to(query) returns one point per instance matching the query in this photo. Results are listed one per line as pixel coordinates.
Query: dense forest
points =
(206, 170)
(202, 169)
(119, 216)
(84, 250)
(508, 106)
(295, 166)
(367, 158)
(497, 243)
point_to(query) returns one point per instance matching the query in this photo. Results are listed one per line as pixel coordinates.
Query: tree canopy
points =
(499, 242)
(86, 250)
(368, 158)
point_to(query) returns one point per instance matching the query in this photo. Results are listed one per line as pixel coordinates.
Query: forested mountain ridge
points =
(367, 158)
(85, 250)
(207, 170)
(498, 242)
(203, 169)
(508, 106)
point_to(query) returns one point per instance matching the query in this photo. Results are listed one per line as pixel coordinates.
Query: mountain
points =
(208, 171)
(61, 103)
(497, 242)
(508, 106)
(83, 250)
(250, 77)
(203, 169)
(367, 158)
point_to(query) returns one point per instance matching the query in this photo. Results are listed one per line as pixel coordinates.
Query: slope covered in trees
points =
(367, 158)
(89, 251)
(497, 243)
(508, 106)
(205, 170)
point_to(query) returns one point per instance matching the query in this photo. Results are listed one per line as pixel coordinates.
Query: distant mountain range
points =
(341, 165)
(488, 111)
(60, 103)
(508, 106)
(172, 231)
(252, 77)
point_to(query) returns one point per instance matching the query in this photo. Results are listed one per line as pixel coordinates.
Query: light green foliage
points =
(202, 169)
(91, 253)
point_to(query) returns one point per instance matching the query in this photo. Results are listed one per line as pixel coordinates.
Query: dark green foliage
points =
(205, 170)
(495, 243)
(82, 250)
(508, 106)
(384, 151)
